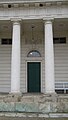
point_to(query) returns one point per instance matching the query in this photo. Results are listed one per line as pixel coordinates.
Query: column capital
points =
(48, 20)
(16, 20)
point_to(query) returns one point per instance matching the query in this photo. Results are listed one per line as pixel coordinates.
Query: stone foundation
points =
(34, 105)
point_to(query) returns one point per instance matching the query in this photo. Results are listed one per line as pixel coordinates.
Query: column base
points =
(50, 93)
(15, 93)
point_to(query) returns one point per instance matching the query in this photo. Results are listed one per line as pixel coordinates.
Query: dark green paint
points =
(34, 76)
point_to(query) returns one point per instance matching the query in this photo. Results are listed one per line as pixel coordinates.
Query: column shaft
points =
(49, 58)
(15, 63)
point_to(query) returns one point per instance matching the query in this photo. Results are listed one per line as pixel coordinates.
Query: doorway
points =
(34, 77)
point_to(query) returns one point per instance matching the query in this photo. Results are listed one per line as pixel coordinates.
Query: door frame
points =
(40, 72)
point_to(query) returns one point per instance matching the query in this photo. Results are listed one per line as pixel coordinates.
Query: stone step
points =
(34, 103)
(33, 115)
(32, 118)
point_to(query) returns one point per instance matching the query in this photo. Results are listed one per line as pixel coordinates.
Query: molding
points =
(29, 1)
(16, 5)
(43, 18)
(16, 19)
(59, 3)
(5, 5)
(48, 3)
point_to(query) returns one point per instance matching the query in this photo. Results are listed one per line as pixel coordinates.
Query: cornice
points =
(29, 3)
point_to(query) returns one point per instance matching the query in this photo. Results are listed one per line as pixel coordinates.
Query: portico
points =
(34, 59)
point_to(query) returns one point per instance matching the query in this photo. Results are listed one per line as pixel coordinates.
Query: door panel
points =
(34, 76)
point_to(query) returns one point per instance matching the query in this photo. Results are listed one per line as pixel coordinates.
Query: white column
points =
(15, 62)
(49, 58)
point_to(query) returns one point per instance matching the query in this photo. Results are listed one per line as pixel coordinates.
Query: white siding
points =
(61, 62)
(5, 68)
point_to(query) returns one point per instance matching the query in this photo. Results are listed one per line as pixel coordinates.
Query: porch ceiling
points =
(5, 26)
(61, 24)
(33, 29)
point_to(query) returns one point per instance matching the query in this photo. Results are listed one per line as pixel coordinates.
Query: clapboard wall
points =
(5, 68)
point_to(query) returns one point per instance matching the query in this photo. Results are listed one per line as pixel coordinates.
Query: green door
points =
(34, 76)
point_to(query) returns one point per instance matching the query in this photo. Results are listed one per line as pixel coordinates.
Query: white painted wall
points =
(5, 65)
(61, 63)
